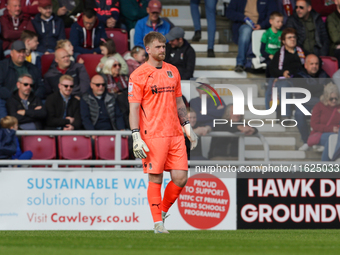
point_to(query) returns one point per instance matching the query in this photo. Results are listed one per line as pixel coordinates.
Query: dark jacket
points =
(235, 12)
(8, 33)
(333, 27)
(55, 106)
(68, 21)
(90, 110)
(79, 37)
(14, 104)
(105, 9)
(183, 58)
(9, 78)
(8, 144)
(81, 79)
(48, 32)
(321, 36)
(131, 11)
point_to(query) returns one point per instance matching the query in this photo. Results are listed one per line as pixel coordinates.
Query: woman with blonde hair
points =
(325, 119)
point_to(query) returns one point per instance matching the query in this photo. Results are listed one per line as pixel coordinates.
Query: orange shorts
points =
(165, 153)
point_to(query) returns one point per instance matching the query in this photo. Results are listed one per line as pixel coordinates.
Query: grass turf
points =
(177, 242)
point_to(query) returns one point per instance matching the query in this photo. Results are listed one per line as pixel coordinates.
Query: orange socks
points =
(155, 200)
(171, 193)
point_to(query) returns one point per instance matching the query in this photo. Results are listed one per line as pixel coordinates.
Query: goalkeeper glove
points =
(139, 146)
(191, 135)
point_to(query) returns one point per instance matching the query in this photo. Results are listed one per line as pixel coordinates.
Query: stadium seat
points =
(90, 62)
(67, 32)
(132, 36)
(42, 147)
(120, 37)
(329, 65)
(74, 147)
(256, 46)
(46, 62)
(105, 147)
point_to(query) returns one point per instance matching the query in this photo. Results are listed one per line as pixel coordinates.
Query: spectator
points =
(135, 58)
(117, 84)
(86, 33)
(63, 109)
(11, 68)
(7, 142)
(326, 117)
(131, 11)
(67, 45)
(11, 122)
(311, 30)
(68, 10)
(107, 11)
(313, 78)
(180, 53)
(213, 111)
(25, 106)
(286, 7)
(108, 49)
(49, 27)
(324, 7)
(247, 17)
(333, 22)
(63, 65)
(13, 22)
(210, 12)
(223, 147)
(152, 22)
(31, 42)
(30, 7)
(99, 110)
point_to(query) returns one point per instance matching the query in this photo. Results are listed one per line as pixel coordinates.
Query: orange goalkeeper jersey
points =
(156, 90)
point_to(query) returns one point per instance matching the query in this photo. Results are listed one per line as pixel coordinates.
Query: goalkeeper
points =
(157, 112)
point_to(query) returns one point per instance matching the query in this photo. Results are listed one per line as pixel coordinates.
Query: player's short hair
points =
(90, 13)
(108, 65)
(27, 34)
(61, 44)
(8, 122)
(65, 77)
(150, 37)
(275, 14)
(109, 44)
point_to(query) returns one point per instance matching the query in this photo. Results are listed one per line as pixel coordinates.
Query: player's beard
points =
(159, 57)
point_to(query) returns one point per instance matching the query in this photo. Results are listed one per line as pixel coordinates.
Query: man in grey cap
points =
(180, 53)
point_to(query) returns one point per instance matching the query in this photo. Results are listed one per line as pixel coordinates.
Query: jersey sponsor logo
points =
(130, 87)
(158, 90)
(169, 74)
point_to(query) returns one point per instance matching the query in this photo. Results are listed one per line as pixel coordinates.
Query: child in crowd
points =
(67, 45)
(135, 58)
(31, 42)
(10, 122)
(108, 49)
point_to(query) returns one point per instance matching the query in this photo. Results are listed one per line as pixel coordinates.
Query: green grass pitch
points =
(290, 242)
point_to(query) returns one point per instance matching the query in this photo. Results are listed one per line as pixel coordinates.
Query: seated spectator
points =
(311, 30)
(313, 78)
(152, 22)
(286, 7)
(223, 147)
(30, 7)
(248, 16)
(11, 68)
(333, 22)
(99, 110)
(108, 49)
(210, 11)
(67, 45)
(213, 112)
(63, 109)
(63, 65)
(86, 33)
(117, 84)
(31, 42)
(13, 22)
(49, 27)
(324, 7)
(180, 53)
(107, 11)
(67, 10)
(25, 106)
(326, 117)
(135, 58)
(11, 122)
(131, 11)
(7, 142)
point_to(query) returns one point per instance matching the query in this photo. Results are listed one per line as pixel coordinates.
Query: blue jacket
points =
(144, 26)
(78, 35)
(235, 12)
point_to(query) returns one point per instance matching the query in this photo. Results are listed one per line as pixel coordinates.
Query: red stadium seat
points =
(46, 61)
(90, 62)
(74, 147)
(67, 32)
(105, 147)
(330, 65)
(120, 37)
(42, 147)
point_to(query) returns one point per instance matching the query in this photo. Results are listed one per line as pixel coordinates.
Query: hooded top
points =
(88, 34)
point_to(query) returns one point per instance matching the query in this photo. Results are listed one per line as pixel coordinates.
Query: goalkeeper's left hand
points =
(191, 135)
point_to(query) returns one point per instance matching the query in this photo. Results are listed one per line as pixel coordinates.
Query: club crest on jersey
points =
(169, 74)
(130, 87)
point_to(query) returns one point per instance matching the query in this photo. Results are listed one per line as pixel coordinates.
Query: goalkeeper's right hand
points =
(139, 146)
